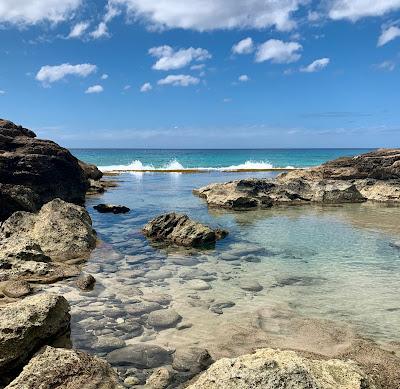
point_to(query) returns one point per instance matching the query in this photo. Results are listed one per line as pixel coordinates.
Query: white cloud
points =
(357, 9)
(277, 51)
(316, 66)
(36, 11)
(169, 59)
(200, 66)
(78, 30)
(127, 87)
(388, 66)
(146, 87)
(100, 32)
(179, 80)
(104, 76)
(388, 35)
(244, 78)
(2, 92)
(205, 15)
(94, 89)
(245, 46)
(48, 74)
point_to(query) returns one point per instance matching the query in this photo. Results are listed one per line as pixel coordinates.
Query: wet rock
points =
(142, 356)
(110, 208)
(28, 324)
(131, 381)
(130, 328)
(198, 285)
(298, 281)
(159, 298)
(17, 289)
(85, 282)
(160, 379)
(183, 261)
(155, 275)
(164, 318)
(181, 230)
(138, 309)
(192, 360)
(108, 343)
(65, 369)
(197, 274)
(184, 325)
(250, 285)
(220, 306)
(62, 231)
(272, 369)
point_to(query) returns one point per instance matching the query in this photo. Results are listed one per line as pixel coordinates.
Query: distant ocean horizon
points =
(118, 159)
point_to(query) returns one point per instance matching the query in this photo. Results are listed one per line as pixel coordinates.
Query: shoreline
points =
(195, 171)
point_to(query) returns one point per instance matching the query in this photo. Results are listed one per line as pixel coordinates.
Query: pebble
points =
(198, 285)
(250, 285)
(164, 318)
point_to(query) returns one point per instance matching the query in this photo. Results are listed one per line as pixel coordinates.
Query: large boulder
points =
(60, 231)
(27, 325)
(274, 369)
(65, 369)
(34, 171)
(179, 229)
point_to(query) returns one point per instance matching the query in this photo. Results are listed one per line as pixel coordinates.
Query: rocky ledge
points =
(35, 171)
(373, 176)
(273, 369)
(179, 229)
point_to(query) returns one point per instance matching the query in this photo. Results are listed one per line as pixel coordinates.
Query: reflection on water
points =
(278, 270)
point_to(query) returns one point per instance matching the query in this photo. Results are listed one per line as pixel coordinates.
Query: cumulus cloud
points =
(104, 76)
(169, 59)
(316, 66)
(101, 31)
(245, 46)
(277, 51)
(179, 80)
(78, 30)
(48, 74)
(36, 11)
(94, 89)
(357, 9)
(203, 15)
(146, 87)
(244, 78)
(388, 35)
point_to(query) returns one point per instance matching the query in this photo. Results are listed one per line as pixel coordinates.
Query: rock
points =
(17, 289)
(155, 275)
(85, 282)
(65, 369)
(198, 285)
(160, 379)
(184, 326)
(138, 309)
(91, 171)
(131, 381)
(109, 208)
(372, 176)
(28, 324)
(192, 360)
(160, 298)
(108, 343)
(220, 306)
(273, 369)
(141, 356)
(250, 285)
(164, 318)
(180, 230)
(34, 172)
(60, 230)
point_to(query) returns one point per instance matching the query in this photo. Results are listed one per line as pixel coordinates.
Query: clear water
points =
(139, 159)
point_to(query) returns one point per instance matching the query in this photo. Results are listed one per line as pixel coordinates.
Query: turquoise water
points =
(140, 159)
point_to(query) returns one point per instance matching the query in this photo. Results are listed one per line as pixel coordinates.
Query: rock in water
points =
(110, 208)
(65, 369)
(34, 172)
(28, 324)
(63, 231)
(164, 318)
(274, 369)
(179, 229)
(85, 282)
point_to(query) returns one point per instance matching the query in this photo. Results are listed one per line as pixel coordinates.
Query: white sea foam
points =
(174, 165)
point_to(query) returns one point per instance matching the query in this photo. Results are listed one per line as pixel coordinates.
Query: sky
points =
(203, 73)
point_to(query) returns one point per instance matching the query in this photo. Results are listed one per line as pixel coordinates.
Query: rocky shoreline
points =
(46, 234)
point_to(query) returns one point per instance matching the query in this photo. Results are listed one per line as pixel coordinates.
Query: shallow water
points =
(316, 265)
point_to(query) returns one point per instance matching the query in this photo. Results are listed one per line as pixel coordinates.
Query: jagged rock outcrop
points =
(27, 325)
(34, 172)
(274, 369)
(111, 208)
(372, 176)
(65, 369)
(179, 229)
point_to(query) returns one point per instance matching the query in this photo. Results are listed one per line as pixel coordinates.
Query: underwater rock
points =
(250, 285)
(159, 379)
(164, 318)
(85, 282)
(192, 359)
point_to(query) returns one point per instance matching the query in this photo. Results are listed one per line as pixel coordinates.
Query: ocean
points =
(151, 159)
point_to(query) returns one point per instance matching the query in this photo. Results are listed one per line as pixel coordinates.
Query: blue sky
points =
(203, 73)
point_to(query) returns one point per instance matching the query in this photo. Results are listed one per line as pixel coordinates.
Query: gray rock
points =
(160, 379)
(108, 343)
(220, 306)
(28, 324)
(160, 298)
(250, 285)
(164, 318)
(192, 359)
(85, 282)
(138, 309)
(142, 356)
(65, 369)
(155, 275)
(198, 285)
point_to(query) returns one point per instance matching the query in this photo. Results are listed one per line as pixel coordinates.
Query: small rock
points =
(138, 309)
(198, 285)
(160, 298)
(110, 208)
(218, 307)
(160, 379)
(250, 285)
(192, 359)
(17, 289)
(108, 343)
(85, 282)
(155, 275)
(131, 381)
(164, 318)
(184, 326)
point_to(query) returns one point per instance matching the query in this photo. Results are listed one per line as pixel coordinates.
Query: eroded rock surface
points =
(179, 229)
(274, 369)
(65, 369)
(372, 176)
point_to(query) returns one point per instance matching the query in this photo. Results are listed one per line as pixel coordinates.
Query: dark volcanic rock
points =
(35, 171)
(109, 208)
(179, 229)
